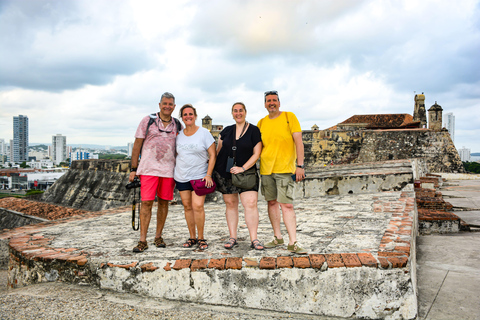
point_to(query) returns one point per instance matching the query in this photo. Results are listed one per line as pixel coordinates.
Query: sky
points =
(92, 69)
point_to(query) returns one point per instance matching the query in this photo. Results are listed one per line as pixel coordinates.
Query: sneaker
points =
(295, 248)
(275, 242)
(159, 243)
(141, 246)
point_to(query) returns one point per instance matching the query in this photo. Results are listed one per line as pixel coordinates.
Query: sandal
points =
(159, 243)
(190, 243)
(232, 242)
(202, 244)
(256, 245)
(141, 246)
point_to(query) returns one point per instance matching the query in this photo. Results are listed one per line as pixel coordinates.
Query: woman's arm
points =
(212, 156)
(257, 150)
(220, 144)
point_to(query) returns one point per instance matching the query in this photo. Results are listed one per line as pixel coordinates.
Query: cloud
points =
(59, 45)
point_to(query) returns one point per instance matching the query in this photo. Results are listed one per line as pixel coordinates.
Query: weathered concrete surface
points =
(10, 219)
(334, 280)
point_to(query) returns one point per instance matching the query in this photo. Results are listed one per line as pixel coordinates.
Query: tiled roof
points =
(399, 120)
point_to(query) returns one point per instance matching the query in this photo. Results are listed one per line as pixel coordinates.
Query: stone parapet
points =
(361, 261)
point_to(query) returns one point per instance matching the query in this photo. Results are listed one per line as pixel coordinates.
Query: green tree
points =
(473, 167)
(24, 165)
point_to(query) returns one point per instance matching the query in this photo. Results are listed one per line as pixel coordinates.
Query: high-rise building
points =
(464, 154)
(130, 148)
(20, 139)
(59, 148)
(3, 150)
(449, 124)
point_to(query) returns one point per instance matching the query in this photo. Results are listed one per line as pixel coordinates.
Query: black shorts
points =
(183, 186)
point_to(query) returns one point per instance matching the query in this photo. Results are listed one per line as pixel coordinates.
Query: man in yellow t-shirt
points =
(282, 145)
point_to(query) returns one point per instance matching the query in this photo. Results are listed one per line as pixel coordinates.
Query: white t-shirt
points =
(192, 155)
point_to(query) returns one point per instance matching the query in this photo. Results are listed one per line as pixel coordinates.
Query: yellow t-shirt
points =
(279, 152)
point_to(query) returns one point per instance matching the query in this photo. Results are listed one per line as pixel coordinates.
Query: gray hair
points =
(167, 95)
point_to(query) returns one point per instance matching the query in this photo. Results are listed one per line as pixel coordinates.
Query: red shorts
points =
(151, 186)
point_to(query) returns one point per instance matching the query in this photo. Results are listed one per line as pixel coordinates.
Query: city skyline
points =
(92, 71)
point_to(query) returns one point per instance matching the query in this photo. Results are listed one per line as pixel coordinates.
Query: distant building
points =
(464, 154)
(449, 124)
(214, 129)
(130, 149)
(59, 149)
(419, 113)
(82, 155)
(435, 117)
(20, 138)
(3, 151)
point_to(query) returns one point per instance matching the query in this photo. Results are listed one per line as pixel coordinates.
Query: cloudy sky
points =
(91, 69)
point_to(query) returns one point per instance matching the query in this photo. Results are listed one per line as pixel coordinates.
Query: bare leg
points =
(162, 213)
(186, 197)
(249, 202)
(231, 213)
(274, 215)
(199, 213)
(290, 221)
(145, 216)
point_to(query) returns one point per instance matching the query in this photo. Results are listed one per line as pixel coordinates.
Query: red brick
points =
(167, 267)
(125, 266)
(351, 260)
(317, 260)
(334, 260)
(284, 262)
(403, 249)
(182, 264)
(398, 262)
(301, 262)
(148, 267)
(367, 259)
(82, 262)
(199, 264)
(267, 263)
(234, 263)
(218, 264)
(383, 262)
(251, 262)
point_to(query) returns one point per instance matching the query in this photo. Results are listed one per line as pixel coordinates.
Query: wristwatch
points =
(302, 166)
(133, 169)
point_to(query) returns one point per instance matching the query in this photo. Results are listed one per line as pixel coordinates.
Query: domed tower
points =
(419, 112)
(207, 123)
(435, 117)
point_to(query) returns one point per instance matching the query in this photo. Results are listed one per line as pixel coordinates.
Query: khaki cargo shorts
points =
(278, 186)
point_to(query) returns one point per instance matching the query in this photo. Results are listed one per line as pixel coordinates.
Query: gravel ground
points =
(55, 300)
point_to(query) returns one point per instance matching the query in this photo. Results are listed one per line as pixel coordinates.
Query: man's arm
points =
(137, 146)
(299, 172)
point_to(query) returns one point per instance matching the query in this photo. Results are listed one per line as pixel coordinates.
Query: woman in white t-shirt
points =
(195, 160)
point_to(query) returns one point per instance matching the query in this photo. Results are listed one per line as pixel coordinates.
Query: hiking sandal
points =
(232, 242)
(159, 243)
(256, 245)
(141, 246)
(202, 244)
(190, 243)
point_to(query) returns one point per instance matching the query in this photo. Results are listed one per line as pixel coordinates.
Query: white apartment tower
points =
(449, 124)
(59, 148)
(464, 154)
(20, 139)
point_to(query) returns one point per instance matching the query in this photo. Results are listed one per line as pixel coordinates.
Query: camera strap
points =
(133, 210)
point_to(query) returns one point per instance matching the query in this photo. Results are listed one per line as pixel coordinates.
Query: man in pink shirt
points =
(157, 150)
